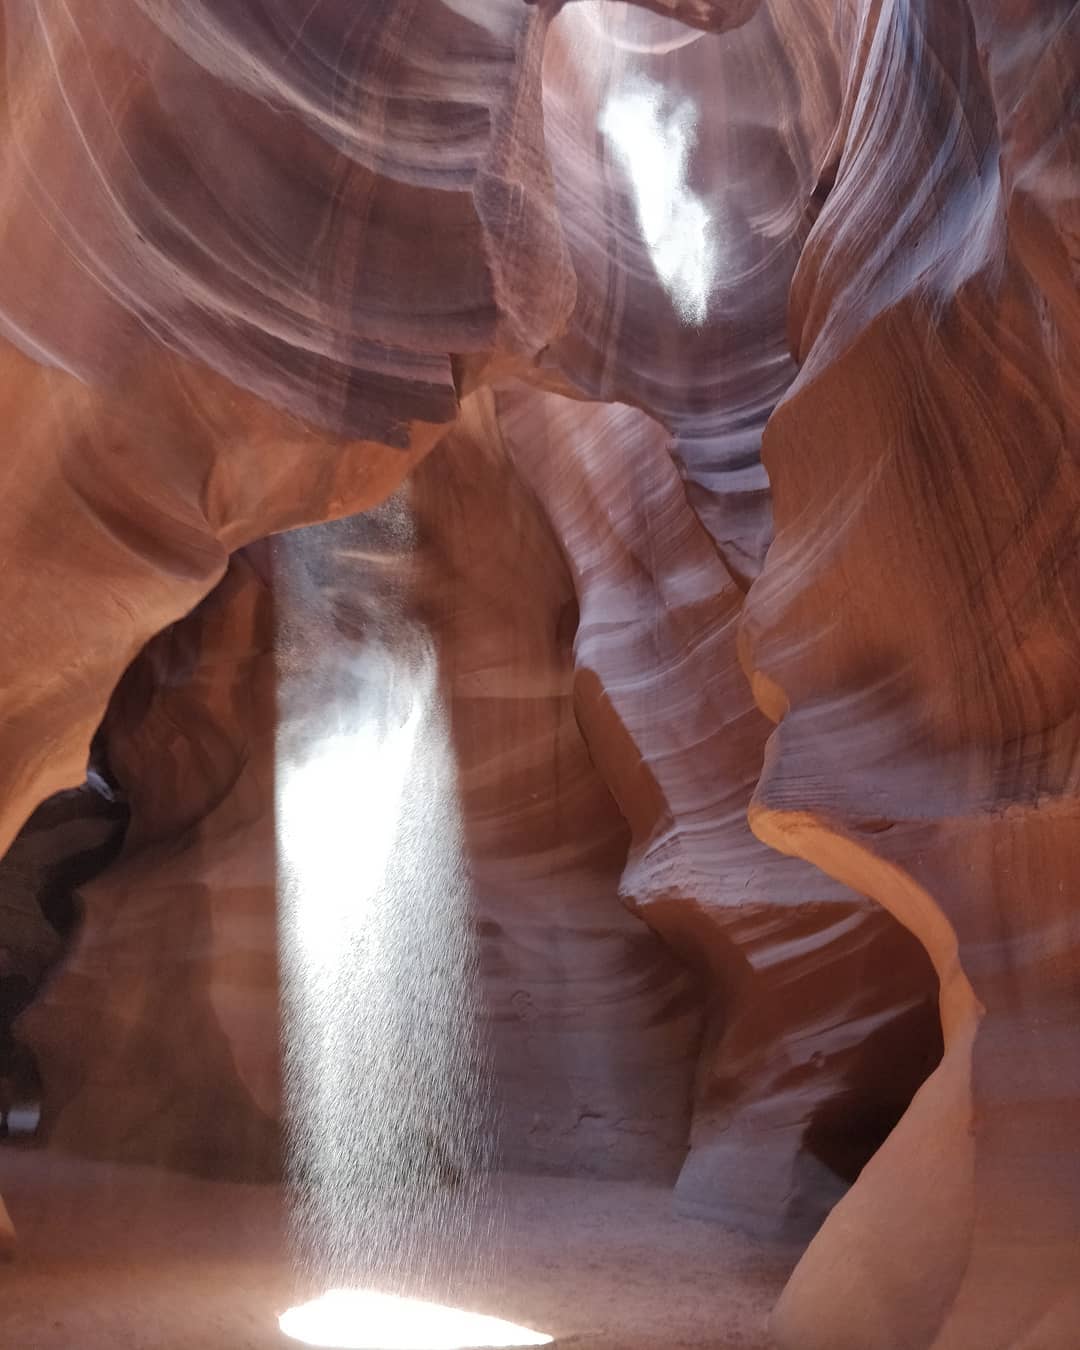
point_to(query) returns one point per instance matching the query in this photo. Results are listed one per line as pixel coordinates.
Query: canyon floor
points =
(131, 1258)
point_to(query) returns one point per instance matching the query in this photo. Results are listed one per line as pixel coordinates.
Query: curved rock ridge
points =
(255, 332)
(254, 186)
(215, 212)
(808, 982)
(684, 166)
(713, 15)
(818, 1027)
(157, 1039)
(130, 501)
(259, 258)
(923, 466)
(594, 1025)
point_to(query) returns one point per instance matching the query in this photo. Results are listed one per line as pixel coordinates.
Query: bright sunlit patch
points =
(339, 814)
(358, 1319)
(654, 142)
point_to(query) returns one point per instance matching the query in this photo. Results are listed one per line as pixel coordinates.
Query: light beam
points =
(360, 1319)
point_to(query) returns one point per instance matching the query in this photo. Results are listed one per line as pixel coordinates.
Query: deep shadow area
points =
(891, 1065)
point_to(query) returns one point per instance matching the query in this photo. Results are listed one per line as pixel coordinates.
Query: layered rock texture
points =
(689, 390)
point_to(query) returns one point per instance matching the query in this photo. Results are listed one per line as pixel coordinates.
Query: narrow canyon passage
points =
(538, 694)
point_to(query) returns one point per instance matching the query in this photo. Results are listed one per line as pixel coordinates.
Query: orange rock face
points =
(690, 388)
(596, 1024)
(158, 1037)
(925, 748)
(804, 974)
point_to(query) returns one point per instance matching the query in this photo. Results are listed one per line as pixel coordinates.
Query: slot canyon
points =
(540, 594)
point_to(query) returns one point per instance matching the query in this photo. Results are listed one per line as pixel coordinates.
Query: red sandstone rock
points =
(255, 331)
(913, 634)
(595, 1024)
(200, 193)
(158, 1038)
(714, 15)
(256, 188)
(134, 498)
(7, 1232)
(683, 168)
(803, 975)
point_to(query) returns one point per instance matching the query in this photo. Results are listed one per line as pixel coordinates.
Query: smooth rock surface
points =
(157, 1039)
(808, 982)
(926, 743)
(578, 275)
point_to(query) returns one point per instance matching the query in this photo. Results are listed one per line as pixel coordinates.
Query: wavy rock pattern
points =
(164, 1017)
(199, 188)
(157, 1039)
(932, 764)
(255, 187)
(134, 499)
(596, 1025)
(596, 1033)
(713, 15)
(288, 245)
(804, 975)
(683, 171)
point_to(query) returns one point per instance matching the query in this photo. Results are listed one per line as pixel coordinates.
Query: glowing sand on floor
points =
(357, 1319)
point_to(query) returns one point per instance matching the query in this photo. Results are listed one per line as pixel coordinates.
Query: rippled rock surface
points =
(721, 358)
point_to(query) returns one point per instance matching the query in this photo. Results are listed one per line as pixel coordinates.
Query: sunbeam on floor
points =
(359, 1319)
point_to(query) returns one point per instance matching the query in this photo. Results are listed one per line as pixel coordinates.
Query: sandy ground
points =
(130, 1258)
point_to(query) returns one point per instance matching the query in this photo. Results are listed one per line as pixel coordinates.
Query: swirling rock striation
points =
(254, 186)
(596, 1025)
(255, 331)
(593, 1025)
(833, 239)
(804, 977)
(684, 164)
(158, 1037)
(913, 633)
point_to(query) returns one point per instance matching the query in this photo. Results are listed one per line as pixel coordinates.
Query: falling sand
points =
(389, 1123)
